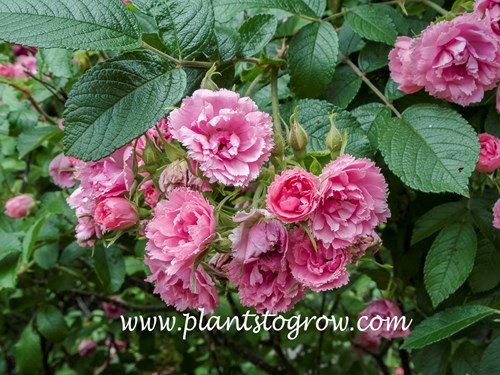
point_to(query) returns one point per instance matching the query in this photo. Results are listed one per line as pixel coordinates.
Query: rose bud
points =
(334, 138)
(489, 157)
(19, 206)
(115, 213)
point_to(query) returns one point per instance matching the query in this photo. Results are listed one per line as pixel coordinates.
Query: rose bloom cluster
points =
(26, 61)
(455, 60)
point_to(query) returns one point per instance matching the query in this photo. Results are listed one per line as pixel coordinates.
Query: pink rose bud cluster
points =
(19, 206)
(489, 157)
(455, 60)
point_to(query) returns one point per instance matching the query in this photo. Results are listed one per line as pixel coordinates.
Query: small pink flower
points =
(178, 289)
(178, 174)
(27, 63)
(367, 341)
(378, 313)
(115, 213)
(321, 269)
(87, 347)
(60, 124)
(227, 135)
(293, 195)
(489, 158)
(19, 206)
(151, 194)
(112, 310)
(353, 201)
(399, 371)
(400, 65)
(496, 214)
(61, 169)
(181, 227)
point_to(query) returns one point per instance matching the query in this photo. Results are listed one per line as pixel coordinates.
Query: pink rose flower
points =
(112, 310)
(496, 214)
(257, 234)
(87, 230)
(151, 194)
(178, 174)
(319, 270)
(358, 250)
(178, 290)
(382, 309)
(353, 201)
(181, 227)
(367, 341)
(23, 50)
(62, 171)
(490, 9)
(115, 213)
(400, 65)
(457, 60)
(19, 206)
(498, 100)
(227, 135)
(489, 157)
(87, 347)
(293, 195)
(27, 63)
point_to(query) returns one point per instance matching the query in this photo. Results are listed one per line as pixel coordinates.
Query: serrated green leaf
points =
(489, 362)
(432, 359)
(256, 33)
(8, 268)
(33, 138)
(51, 324)
(485, 275)
(444, 324)
(228, 42)
(371, 118)
(373, 56)
(436, 219)
(431, 149)
(343, 88)
(28, 352)
(349, 41)
(392, 91)
(372, 23)
(109, 267)
(186, 27)
(57, 61)
(71, 24)
(312, 56)
(100, 118)
(466, 359)
(449, 261)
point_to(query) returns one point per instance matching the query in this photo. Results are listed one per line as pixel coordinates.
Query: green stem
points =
(278, 133)
(183, 63)
(436, 7)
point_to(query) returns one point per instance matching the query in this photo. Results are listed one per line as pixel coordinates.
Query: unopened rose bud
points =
(19, 206)
(207, 82)
(297, 138)
(115, 213)
(334, 138)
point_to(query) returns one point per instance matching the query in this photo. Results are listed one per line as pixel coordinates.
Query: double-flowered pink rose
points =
(181, 227)
(383, 318)
(401, 66)
(226, 134)
(115, 213)
(62, 171)
(490, 9)
(489, 157)
(353, 201)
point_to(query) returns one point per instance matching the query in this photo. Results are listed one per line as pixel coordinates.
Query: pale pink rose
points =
(179, 174)
(367, 341)
(87, 230)
(19, 206)
(382, 309)
(115, 213)
(257, 234)
(87, 347)
(12, 70)
(320, 269)
(151, 194)
(496, 214)
(178, 290)
(293, 195)
(227, 135)
(358, 250)
(61, 169)
(457, 60)
(181, 227)
(489, 158)
(112, 310)
(401, 66)
(353, 201)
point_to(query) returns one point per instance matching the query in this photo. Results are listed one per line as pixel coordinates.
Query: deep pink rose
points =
(227, 135)
(457, 60)
(375, 314)
(489, 158)
(353, 201)
(319, 270)
(19, 206)
(257, 234)
(62, 171)
(401, 66)
(496, 214)
(23, 50)
(181, 227)
(179, 174)
(112, 310)
(367, 341)
(293, 195)
(151, 194)
(115, 213)
(87, 347)
(178, 290)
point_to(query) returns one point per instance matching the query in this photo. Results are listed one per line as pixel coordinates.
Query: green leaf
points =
(372, 117)
(33, 138)
(343, 88)
(431, 149)
(373, 56)
(449, 261)
(29, 239)
(489, 362)
(58, 62)
(9, 263)
(436, 219)
(432, 359)
(485, 275)
(392, 91)
(228, 42)
(51, 324)
(102, 109)
(349, 41)
(312, 56)
(71, 24)
(109, 267)
(372, 23)
(466, 359)
(46, 256)
(186, 27)
(28, 352)
(256, 33)
(444, 324)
